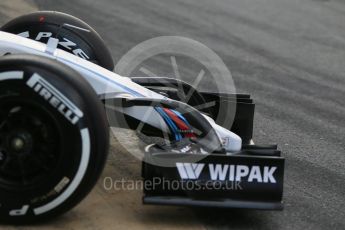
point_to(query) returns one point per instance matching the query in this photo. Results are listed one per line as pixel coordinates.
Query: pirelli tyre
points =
(53, 138)
(75, 36)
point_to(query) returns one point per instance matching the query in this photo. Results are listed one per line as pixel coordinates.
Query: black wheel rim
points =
(29, 144)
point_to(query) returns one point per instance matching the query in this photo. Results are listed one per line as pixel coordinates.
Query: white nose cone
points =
(231, 141)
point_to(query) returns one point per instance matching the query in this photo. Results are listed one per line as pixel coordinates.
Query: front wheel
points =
(53, 138)
(79, 38)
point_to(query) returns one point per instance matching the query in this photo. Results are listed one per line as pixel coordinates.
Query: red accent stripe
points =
(181, 124)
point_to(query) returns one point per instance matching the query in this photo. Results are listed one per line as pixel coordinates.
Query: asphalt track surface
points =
(289, 55)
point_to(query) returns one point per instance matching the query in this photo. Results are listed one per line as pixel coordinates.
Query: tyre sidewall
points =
(85, 140)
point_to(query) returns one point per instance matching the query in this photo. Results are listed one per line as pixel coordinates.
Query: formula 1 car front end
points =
(249, 178)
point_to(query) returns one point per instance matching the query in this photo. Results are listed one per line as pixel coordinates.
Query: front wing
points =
(251, 179)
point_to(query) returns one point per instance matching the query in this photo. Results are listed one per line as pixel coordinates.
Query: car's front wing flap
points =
(214, 180)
